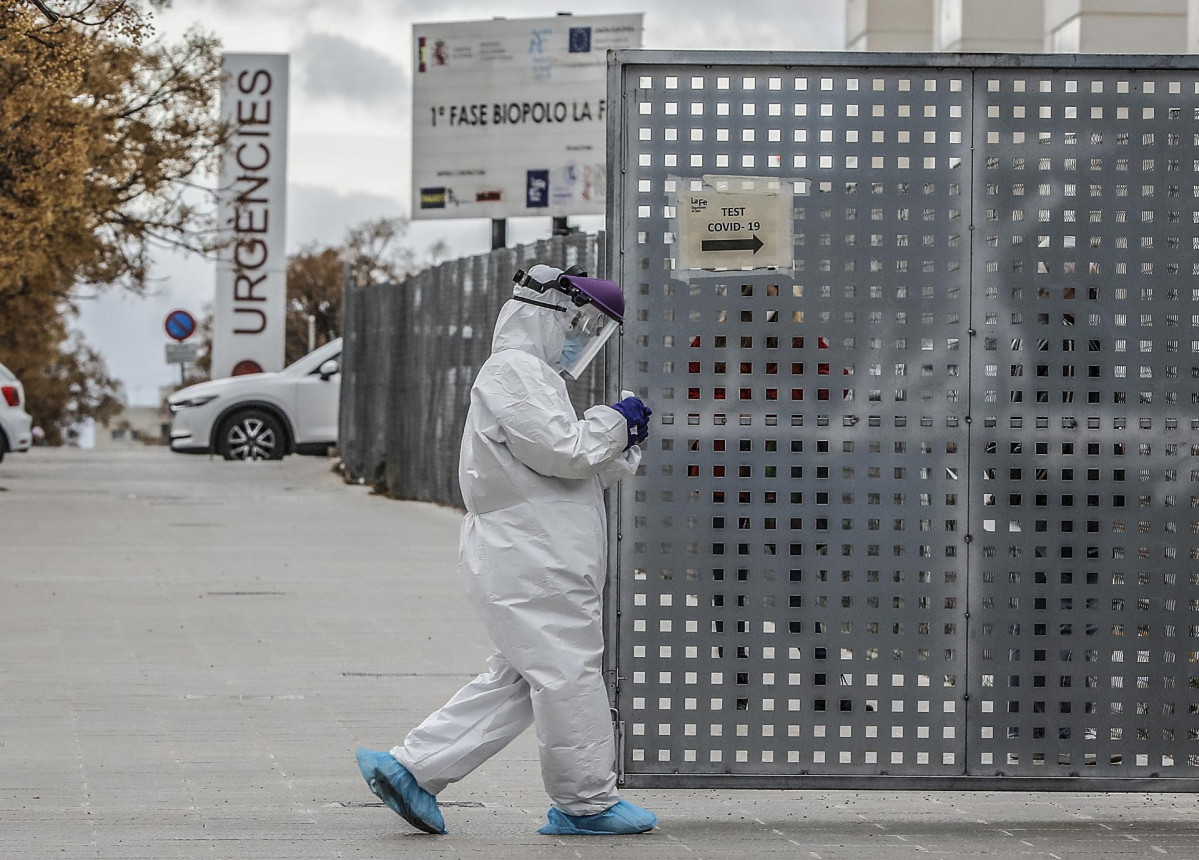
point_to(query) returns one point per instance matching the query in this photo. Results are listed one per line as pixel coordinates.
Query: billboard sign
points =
(509, 115)
(251, 289)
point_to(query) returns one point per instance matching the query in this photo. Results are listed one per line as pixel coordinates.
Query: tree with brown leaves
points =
(102, 130)
(373, 253)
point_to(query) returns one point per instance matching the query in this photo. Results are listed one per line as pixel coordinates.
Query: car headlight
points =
(192, 401)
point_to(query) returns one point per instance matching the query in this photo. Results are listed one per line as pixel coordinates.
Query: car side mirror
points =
(329, 368)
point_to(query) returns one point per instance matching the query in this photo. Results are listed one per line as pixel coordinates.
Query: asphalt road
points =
(191, 650)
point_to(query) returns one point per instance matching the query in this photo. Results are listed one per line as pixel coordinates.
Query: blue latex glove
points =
(642, 429)
(636, 414)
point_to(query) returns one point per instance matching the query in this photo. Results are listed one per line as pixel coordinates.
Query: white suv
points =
(15, 423)
(262, 416)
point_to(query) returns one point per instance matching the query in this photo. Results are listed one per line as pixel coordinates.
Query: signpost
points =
(249, 312)
(735, 223)
(182, 353)
(179, 326)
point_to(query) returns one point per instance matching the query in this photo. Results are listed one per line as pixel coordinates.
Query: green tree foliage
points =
(101, 130)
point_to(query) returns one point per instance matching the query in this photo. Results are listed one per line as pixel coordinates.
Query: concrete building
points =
(969, 26)
(889, 25)
(1117, 26)
(1024, 26)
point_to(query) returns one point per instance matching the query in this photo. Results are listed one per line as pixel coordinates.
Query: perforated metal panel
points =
(1084, 583)
(915, 511)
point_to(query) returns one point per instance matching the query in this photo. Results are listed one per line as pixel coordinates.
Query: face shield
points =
(590, 329)
(594, 313)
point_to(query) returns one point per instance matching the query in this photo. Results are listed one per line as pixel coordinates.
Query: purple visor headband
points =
(582, 290)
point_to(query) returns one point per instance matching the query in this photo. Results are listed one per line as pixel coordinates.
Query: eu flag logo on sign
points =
(580, 40)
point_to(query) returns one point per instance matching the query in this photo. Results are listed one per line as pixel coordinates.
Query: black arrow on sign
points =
(754, 244)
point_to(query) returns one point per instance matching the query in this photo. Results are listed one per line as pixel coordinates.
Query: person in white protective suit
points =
(533, 558)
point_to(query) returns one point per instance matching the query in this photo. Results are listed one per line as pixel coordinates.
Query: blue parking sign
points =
(180, 325)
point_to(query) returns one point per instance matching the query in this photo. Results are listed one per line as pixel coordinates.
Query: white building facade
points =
(1024, 26)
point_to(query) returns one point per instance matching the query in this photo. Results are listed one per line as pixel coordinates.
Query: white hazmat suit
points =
(533, 560)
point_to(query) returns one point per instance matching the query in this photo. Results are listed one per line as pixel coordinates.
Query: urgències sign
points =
(508, 116)
(251, 289)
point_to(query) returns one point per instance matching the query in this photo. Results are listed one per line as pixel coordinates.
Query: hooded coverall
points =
(533, 559)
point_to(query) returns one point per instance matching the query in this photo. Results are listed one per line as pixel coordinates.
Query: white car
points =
(15, 423)
(262, 416)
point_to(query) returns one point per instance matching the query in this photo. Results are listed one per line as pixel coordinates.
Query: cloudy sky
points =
(350, 128)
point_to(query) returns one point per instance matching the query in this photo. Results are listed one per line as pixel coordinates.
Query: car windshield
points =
(316, 358)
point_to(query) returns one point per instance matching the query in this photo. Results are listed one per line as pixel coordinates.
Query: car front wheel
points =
(251, 434)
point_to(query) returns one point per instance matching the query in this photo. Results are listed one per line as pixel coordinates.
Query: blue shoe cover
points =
(620, 819)
(391, 782)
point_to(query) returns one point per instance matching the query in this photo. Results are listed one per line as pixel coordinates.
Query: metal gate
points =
(921, 505)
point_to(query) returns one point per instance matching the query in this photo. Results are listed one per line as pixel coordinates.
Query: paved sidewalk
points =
(190, 651)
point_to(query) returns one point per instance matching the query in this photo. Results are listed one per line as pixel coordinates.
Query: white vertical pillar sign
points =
(251, 283)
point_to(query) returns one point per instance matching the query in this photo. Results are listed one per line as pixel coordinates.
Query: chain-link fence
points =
(411, 353)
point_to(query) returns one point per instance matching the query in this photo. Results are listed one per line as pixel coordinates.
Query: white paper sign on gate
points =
(735, 222)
